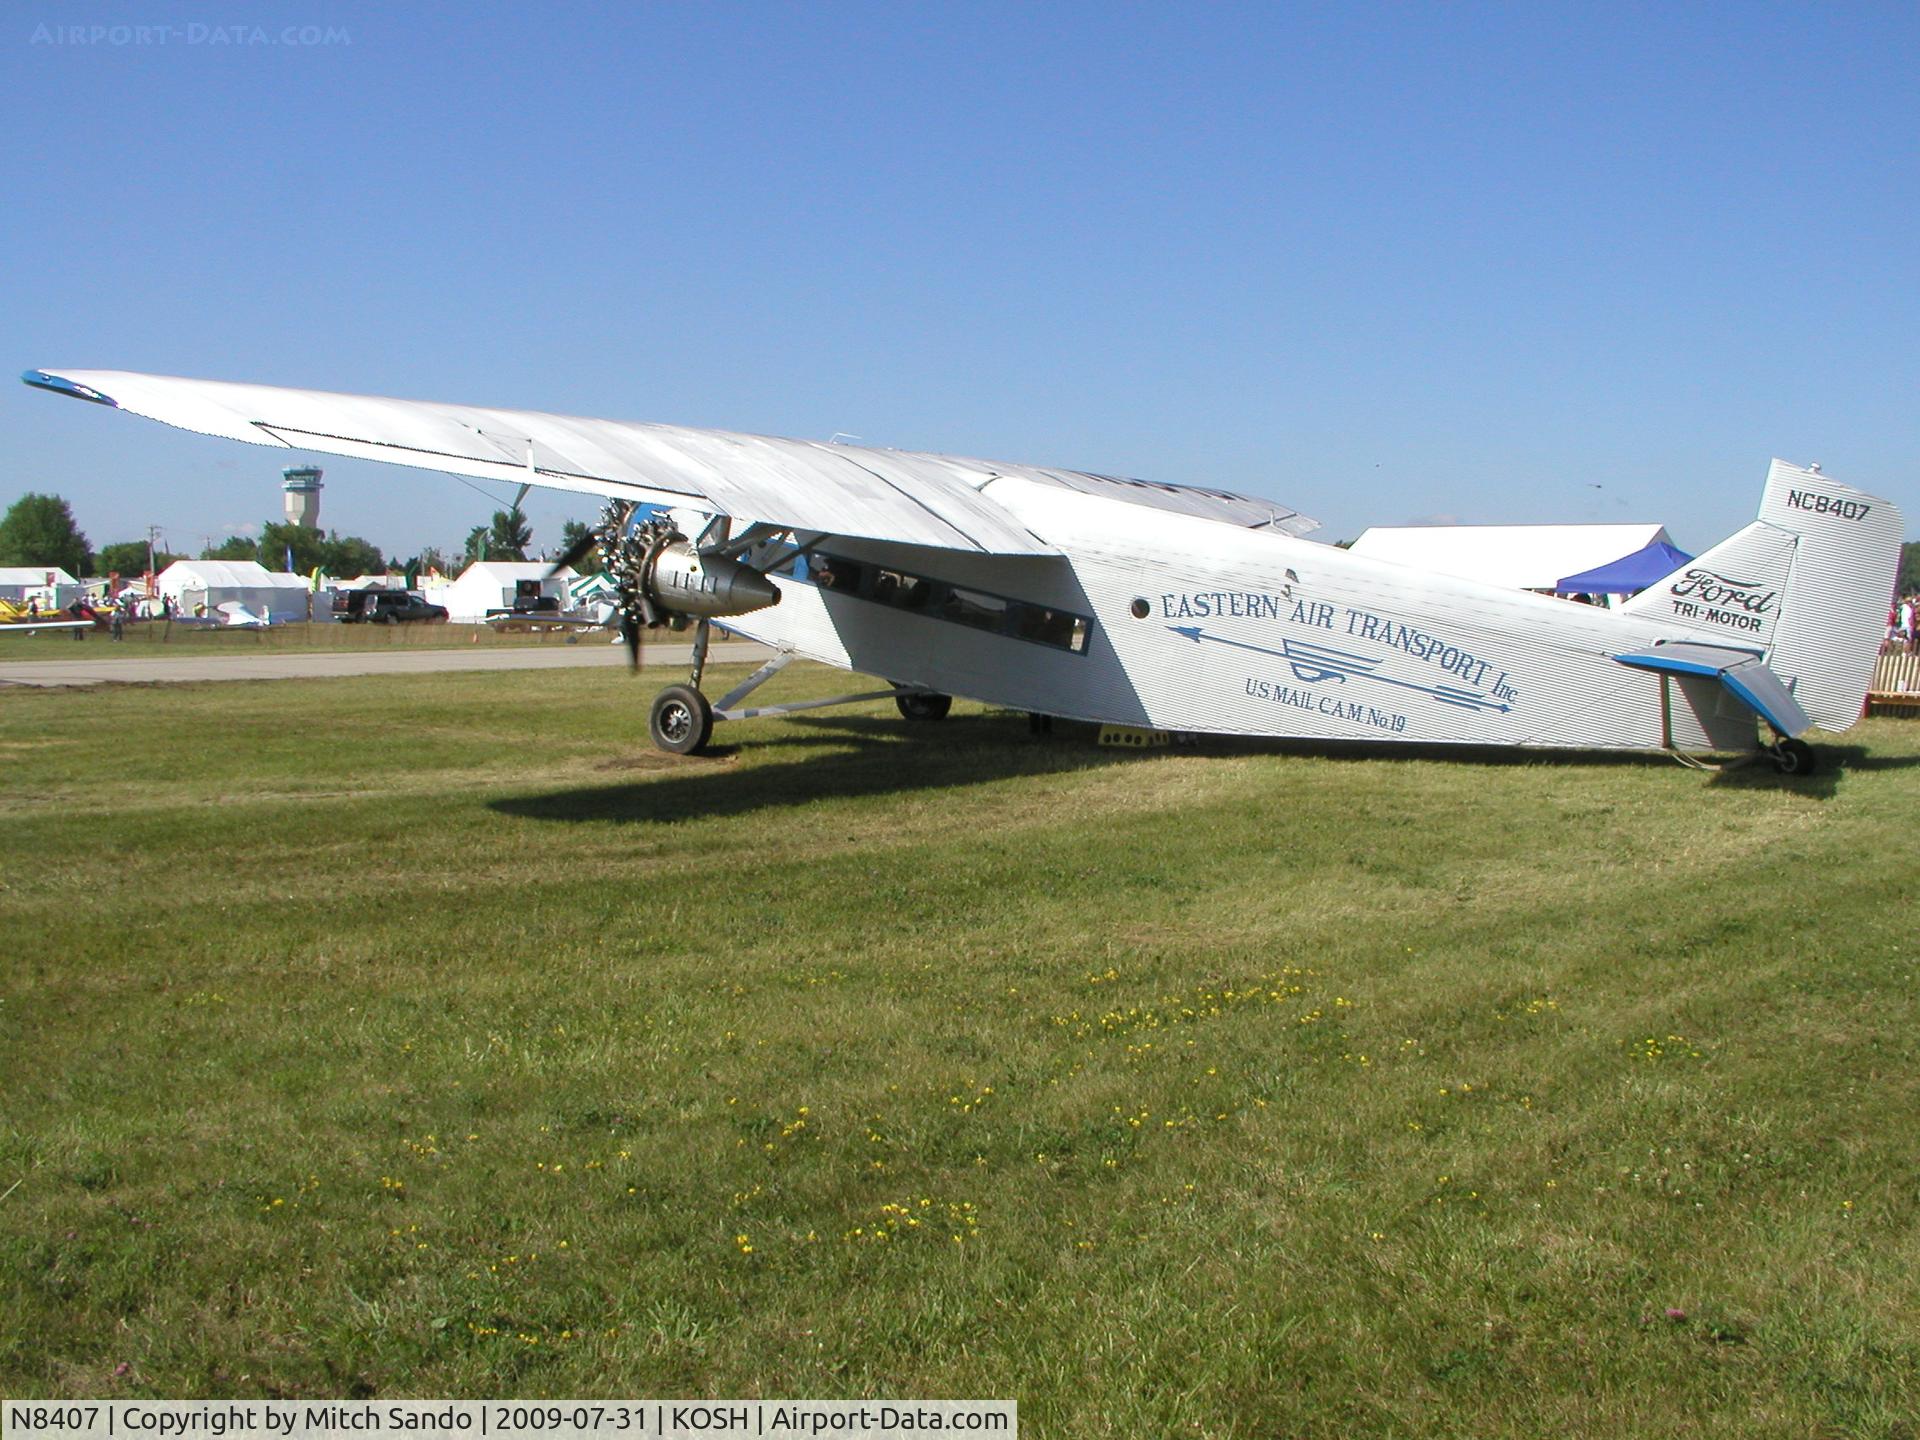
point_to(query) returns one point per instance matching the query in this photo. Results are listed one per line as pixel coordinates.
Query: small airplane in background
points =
(18, 619)
(604, 616)
(228, 615)
(1127, 602)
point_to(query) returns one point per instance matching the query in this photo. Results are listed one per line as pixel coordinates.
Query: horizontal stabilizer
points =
(1805, 585)
(1744, 674)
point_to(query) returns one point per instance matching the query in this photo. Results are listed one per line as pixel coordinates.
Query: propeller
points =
(610, 537)
(612, 520)
(630, 632)
(661, 578)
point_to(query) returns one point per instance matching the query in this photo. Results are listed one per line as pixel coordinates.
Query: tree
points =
(39, 530)
(234, 547)
(506, 538)
(509, 535)
(349, 555)
(280, 539)
(124, 557)
(129, 557)
(1910, 567)
(571, 534)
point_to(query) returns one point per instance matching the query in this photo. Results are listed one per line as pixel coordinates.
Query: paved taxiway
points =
(177, 668)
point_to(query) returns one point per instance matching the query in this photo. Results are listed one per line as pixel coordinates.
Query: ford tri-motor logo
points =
(1707, 588)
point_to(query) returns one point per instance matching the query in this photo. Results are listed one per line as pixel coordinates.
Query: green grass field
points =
(439, 1037)
(149, 640)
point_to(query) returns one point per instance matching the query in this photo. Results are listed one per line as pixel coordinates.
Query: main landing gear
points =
(682, 718)
(923, 704)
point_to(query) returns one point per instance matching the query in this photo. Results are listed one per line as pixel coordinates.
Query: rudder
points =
(1806, 584)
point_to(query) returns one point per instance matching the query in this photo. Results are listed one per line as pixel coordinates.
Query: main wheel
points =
(924, 705)
(1794, 757)
(682, 720)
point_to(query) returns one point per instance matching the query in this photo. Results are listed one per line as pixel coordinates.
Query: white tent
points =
(490, 585)
(49, 584)
(1517, 557)
(201, 587)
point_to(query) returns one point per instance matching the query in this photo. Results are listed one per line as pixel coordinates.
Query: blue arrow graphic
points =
(1312, 664)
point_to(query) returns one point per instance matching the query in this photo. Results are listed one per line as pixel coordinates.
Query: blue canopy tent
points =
(1628, 575)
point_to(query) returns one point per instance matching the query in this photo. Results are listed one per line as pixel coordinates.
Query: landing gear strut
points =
(683, 719)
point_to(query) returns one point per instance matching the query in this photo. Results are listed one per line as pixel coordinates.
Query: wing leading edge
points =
(897, 495)
(874, 494)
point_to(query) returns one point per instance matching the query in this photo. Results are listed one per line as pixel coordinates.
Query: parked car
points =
(385, 607)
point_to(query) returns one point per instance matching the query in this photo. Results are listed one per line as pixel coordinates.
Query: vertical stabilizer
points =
(1806, 585)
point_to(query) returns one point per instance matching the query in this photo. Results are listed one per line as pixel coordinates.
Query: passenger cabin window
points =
(972, 607)
(941, 600)
(900, 590)
(831, 572)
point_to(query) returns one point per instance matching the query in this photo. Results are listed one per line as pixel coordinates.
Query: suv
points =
(385, 607)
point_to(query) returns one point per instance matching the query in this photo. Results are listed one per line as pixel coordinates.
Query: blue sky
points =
(1385, 263)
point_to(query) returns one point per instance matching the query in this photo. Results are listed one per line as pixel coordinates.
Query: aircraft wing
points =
(521, 620)
(906, 496)
(802, 484)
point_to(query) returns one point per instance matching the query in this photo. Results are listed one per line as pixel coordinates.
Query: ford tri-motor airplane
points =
(1125, 602)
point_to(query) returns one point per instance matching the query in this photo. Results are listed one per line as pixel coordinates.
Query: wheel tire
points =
(682, 720)
(1795, 757)
(924, 705)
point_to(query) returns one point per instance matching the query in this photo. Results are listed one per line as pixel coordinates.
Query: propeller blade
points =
(613, 524)
(575, 553)
(630, 632)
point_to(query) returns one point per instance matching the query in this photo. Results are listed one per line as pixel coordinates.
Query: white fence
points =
(1896, 685)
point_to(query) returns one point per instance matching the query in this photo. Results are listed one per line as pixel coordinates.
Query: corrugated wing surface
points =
(893, 495)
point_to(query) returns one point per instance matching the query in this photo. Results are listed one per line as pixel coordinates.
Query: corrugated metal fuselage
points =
(1210, 628)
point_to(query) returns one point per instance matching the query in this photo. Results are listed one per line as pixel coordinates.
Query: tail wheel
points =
(924, 705)
(682, 720)
(1794, 757)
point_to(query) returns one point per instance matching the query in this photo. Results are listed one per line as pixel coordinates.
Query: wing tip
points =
(60, 385)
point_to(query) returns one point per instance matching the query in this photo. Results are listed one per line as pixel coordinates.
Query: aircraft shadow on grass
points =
(853, 756)
(1836, 762)
(845, 757)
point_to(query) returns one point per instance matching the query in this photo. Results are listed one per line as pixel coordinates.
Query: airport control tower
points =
(302, 486)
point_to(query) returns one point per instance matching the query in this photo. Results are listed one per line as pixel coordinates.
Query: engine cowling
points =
(681, 580)
(663, 579)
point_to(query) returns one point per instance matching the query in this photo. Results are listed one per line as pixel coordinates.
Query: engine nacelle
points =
(680, 580)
